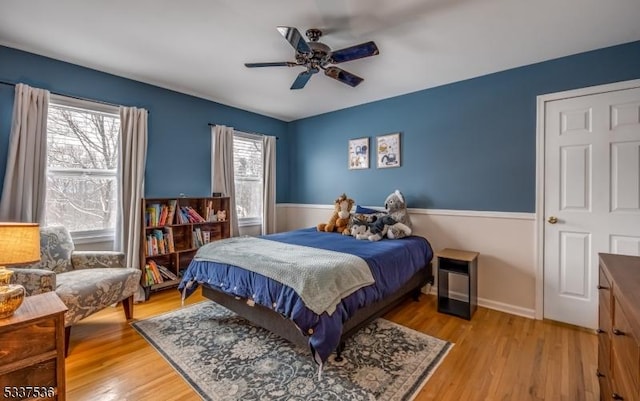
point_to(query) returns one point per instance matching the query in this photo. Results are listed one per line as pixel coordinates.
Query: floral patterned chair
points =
(86, 281)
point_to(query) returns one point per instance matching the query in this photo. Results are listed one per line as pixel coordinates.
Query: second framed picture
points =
(388, 150)
(358, 153)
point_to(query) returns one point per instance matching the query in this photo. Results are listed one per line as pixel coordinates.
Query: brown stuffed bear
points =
(339, 221)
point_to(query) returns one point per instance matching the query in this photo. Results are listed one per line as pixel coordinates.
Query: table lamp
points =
(19, 244)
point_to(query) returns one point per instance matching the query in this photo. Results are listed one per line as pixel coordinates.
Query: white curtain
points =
(24, 190)
(131, 165)
(222, 176)
(269, 188)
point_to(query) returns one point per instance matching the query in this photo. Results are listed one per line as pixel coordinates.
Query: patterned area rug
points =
(224, 357)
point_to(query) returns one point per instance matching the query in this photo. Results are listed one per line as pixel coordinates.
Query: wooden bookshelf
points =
(173, 230)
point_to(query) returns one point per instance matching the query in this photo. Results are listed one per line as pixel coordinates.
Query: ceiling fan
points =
(316, 56)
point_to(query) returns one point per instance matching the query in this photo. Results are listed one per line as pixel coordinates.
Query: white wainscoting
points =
(505, 241)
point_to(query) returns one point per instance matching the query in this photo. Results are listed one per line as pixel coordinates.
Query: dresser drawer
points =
(626, 353)
(604, 291)
(43, 374)
(604, 314)
(31, 340)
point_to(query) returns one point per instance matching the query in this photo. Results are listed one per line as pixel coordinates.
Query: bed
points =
(398, 269)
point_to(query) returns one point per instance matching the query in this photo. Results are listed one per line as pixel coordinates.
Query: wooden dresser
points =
(619, 327)
(32, 350)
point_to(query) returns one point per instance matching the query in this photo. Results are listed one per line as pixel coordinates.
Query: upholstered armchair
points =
(86, 281)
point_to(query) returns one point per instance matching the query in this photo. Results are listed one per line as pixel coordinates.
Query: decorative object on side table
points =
(19, 244)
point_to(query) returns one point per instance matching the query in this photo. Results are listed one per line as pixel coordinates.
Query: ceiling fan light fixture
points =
(315, 55)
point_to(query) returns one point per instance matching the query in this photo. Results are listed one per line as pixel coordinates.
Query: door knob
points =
(552, 220)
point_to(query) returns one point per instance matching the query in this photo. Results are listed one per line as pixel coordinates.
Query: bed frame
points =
(285, 328)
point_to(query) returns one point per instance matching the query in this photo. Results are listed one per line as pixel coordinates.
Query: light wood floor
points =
(496, 356)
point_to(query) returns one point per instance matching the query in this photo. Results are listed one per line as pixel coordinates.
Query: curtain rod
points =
(71, 96)
(254, 133)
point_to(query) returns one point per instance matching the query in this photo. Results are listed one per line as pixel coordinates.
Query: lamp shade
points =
(19, 243)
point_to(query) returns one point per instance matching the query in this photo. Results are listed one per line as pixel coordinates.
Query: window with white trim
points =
(248, 171)
(82, 162)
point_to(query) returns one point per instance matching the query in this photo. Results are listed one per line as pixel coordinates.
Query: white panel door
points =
(592, 197)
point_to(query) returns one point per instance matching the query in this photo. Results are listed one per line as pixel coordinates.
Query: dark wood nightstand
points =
(462, 263)
(32, 350)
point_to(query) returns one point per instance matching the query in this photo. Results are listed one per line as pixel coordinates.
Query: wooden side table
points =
(32, 350)
(462, 263)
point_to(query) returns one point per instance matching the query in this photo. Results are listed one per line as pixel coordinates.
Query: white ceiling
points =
(199, 47)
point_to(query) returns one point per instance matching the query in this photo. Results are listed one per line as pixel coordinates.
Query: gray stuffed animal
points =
(397, 209)
(393, 224)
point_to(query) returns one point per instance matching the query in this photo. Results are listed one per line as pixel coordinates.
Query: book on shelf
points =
(194, 216)
(160, 242)
(148, 276)
(168, 235)
(152, 245)
(180, 217)
(187, 214)
(173, 203)
(157, 278)
(210, 212)
(160, 215)
(151, 216)
(164, 209)
(196, 238)
(166, 273)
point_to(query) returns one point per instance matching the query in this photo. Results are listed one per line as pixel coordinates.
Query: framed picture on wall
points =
(388, 150)
(358, 153)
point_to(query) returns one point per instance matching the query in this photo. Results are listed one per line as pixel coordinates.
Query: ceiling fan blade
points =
(354, 52)
(294, 38)
(343, 76)
(302, 80)
(274, 64)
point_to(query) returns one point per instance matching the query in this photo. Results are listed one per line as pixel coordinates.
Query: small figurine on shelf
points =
(222, 215)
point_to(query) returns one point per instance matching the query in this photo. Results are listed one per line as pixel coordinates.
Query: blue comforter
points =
(392, 263)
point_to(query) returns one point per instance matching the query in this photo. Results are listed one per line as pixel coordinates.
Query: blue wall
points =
(179, 143)
(470, 145)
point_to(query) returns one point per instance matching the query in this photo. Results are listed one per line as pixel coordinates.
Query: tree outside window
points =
(247, 165)
(82, 158)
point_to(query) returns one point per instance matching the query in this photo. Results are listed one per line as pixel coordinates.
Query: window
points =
(247, 166)
(82, 160)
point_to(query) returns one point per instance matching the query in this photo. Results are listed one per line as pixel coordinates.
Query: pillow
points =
(366, 210)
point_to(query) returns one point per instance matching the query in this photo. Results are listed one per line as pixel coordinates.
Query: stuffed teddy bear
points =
(339, 220)
(221, 215)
